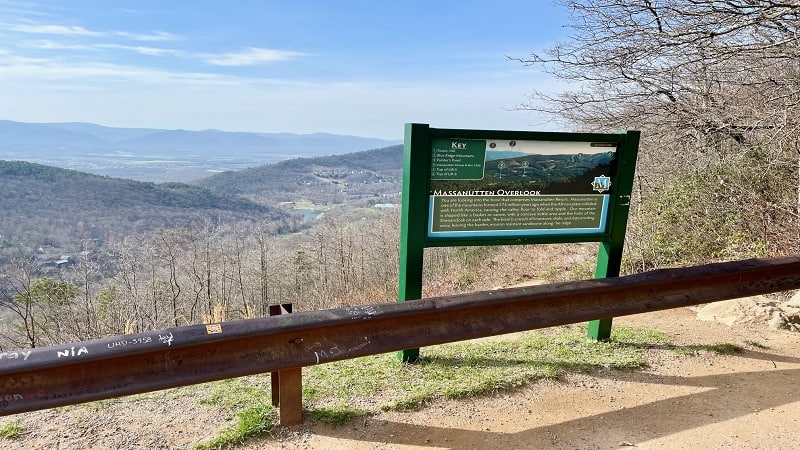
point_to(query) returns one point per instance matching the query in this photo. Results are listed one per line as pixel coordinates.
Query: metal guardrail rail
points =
(111, 367)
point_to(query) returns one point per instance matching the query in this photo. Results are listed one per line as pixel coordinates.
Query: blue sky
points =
(347, 67)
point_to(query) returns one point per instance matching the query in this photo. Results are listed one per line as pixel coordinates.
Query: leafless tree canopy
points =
(711, 83)
(714, 75)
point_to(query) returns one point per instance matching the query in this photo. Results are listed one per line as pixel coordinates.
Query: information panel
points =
(504, 188)
(496, 187)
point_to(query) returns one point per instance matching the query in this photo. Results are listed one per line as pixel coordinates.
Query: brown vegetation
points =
(714, 87)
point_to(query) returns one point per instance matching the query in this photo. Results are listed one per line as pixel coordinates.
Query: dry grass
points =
(509, 266)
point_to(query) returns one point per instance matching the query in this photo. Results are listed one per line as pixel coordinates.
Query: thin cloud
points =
(69, 30)
(61, 30)
(250, 57)
(142, 50)
(36, 70)
(44, 44)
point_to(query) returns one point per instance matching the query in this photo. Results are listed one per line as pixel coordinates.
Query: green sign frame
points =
(455, 194)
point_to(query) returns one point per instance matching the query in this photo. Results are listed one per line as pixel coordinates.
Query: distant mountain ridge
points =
(79, 136)
(163, 155)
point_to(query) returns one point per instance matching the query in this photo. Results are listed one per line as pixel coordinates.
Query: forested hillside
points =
(327, 179)
(55, 207)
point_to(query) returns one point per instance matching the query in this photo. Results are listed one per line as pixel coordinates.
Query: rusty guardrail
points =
(116, 366)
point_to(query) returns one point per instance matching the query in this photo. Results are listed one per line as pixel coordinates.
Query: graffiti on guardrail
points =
(70, 352)
(362, 312)
(321, 354)
(15, 355)
(166, 339)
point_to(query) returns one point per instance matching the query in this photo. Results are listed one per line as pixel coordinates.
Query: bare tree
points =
(711, 83)
(86, 272)
(123, 302)
(43, 307)
(199, 271)
(16, 279)
(266, 263)
(713, 75)
(170, 252)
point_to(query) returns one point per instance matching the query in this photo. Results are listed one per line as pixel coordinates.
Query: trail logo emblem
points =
(601, 183)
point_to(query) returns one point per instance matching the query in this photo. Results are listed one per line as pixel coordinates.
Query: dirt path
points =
(747, 400)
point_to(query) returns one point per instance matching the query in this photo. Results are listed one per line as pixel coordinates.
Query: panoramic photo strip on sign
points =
(508, 188)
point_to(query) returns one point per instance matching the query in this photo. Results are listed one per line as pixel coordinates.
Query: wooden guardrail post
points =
(287, 384)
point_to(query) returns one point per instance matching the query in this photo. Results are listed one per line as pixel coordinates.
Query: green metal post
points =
(412, 222)
(609, 255)
(609, 261)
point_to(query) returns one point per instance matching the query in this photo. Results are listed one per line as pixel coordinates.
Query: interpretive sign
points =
(491, 187)
(485, 188)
